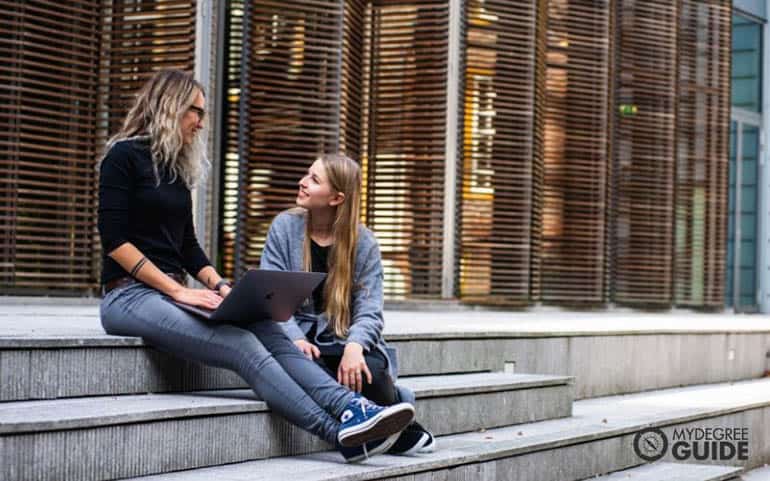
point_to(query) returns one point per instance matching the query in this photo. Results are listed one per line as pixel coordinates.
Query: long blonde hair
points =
(345, 177)
(157, 113)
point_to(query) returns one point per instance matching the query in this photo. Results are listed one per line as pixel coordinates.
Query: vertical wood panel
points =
(576, 146)
(290, 110)
(502, 155)
(48, 78)
(405, 142)
(644, 152)
(703, 118)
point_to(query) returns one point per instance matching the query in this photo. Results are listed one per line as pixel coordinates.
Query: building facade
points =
(578, 153)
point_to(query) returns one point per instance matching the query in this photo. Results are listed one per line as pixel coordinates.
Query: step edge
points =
(482, 389)
(105, 340)
(727, 472)
(242, 406)
(502, 453)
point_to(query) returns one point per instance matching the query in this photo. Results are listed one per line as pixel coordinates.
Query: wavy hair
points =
(345, 176)
(156, 114)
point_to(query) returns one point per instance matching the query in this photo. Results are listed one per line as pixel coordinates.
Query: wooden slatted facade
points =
(352, 108)
(405, 142)
(502, 160)
(593, 137)
(289, 109)
(644, 153)
(703, 118)
(576, 165)
(48, 75)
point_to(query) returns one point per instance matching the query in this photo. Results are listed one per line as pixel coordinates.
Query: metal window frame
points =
(449, 255)
(742, 118)
(764, 177)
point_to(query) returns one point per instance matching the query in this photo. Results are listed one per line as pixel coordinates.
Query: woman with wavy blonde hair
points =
(342, 325)
(156, 117)
(148, 240)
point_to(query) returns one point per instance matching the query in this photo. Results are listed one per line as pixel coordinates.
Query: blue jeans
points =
(291, 384)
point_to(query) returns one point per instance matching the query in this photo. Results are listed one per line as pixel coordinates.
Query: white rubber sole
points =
(382, 448)
(428, 448)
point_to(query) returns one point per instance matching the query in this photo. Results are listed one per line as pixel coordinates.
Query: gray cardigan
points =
(283, 251)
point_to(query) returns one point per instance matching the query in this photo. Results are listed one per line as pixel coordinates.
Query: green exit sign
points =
(628, 109)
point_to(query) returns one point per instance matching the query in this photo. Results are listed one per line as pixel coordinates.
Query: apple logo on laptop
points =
(269, 295)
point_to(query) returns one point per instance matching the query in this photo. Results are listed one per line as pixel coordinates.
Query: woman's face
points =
(315, 190)
(192, 120)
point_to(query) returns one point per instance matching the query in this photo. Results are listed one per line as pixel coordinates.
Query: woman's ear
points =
(337, 199)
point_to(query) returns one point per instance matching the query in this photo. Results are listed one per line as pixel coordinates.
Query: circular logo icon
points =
(650, 444)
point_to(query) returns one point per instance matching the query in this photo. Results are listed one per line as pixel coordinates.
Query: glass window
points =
(747, 64)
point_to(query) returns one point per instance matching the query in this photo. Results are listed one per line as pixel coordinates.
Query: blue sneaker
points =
(357, 454)
(363, 421)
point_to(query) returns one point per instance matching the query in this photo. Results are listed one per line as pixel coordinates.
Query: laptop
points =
(261, 295)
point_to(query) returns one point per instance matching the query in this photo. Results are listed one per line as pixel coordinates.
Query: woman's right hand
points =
(198, 297)
(308, 349)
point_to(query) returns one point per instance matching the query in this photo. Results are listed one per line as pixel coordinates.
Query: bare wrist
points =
(354, 346)
(175, 290)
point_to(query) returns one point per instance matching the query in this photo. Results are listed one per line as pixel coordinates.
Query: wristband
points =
(220, 284)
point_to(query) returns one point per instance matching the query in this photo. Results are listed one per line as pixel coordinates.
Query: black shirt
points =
(319, 259)
(157, 219)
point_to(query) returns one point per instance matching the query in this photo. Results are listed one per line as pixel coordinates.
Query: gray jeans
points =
(291, 384)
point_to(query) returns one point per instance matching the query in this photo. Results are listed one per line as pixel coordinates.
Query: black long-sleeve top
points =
(157, 219)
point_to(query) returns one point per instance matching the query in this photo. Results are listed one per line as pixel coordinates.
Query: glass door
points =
(743, 208)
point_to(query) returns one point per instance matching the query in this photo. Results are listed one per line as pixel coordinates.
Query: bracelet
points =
(138, 266)
(222, 282)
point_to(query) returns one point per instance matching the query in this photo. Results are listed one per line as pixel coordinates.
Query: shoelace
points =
(364, 404)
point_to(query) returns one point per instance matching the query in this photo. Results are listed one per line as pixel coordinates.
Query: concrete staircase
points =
(75, 406)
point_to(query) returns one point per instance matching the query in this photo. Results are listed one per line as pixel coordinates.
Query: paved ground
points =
(49, 317)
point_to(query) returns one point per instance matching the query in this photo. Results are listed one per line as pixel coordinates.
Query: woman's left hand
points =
(351, 366)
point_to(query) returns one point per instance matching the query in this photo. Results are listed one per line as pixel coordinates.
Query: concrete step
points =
(100, 438)
(674, 472)
(596, 440)
(46, 364)
(50, 350)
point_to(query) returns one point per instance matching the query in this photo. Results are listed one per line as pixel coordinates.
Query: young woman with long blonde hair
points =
(148, 239)
(341, 326)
